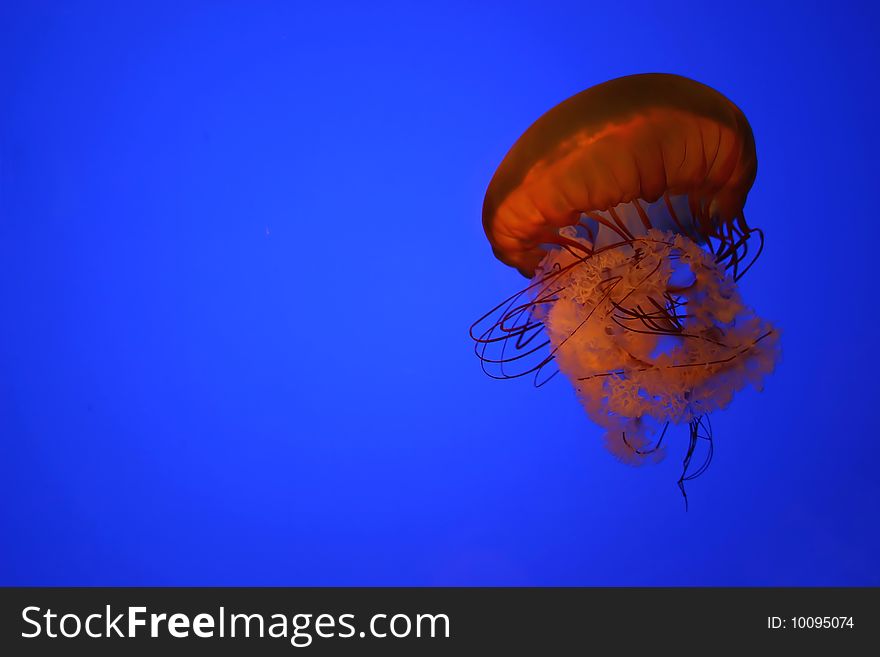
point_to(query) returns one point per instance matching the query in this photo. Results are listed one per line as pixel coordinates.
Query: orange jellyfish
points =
(624, 206)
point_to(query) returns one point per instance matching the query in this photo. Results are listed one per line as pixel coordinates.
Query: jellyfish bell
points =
(624, 206)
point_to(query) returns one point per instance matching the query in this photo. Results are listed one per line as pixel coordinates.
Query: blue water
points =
(240, 248)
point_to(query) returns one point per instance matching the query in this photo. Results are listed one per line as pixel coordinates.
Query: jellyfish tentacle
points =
(652, 450)
(700, 422)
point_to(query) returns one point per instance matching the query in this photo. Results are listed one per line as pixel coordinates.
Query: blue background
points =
(240, 248)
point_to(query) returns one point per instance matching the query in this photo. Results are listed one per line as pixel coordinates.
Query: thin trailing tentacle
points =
(700, 428)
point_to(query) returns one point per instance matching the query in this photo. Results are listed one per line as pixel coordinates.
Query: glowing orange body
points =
(637, 137)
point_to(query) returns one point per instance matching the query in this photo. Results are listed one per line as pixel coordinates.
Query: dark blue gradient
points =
(240, 249)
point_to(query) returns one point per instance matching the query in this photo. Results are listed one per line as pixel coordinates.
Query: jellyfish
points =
(623, 206)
